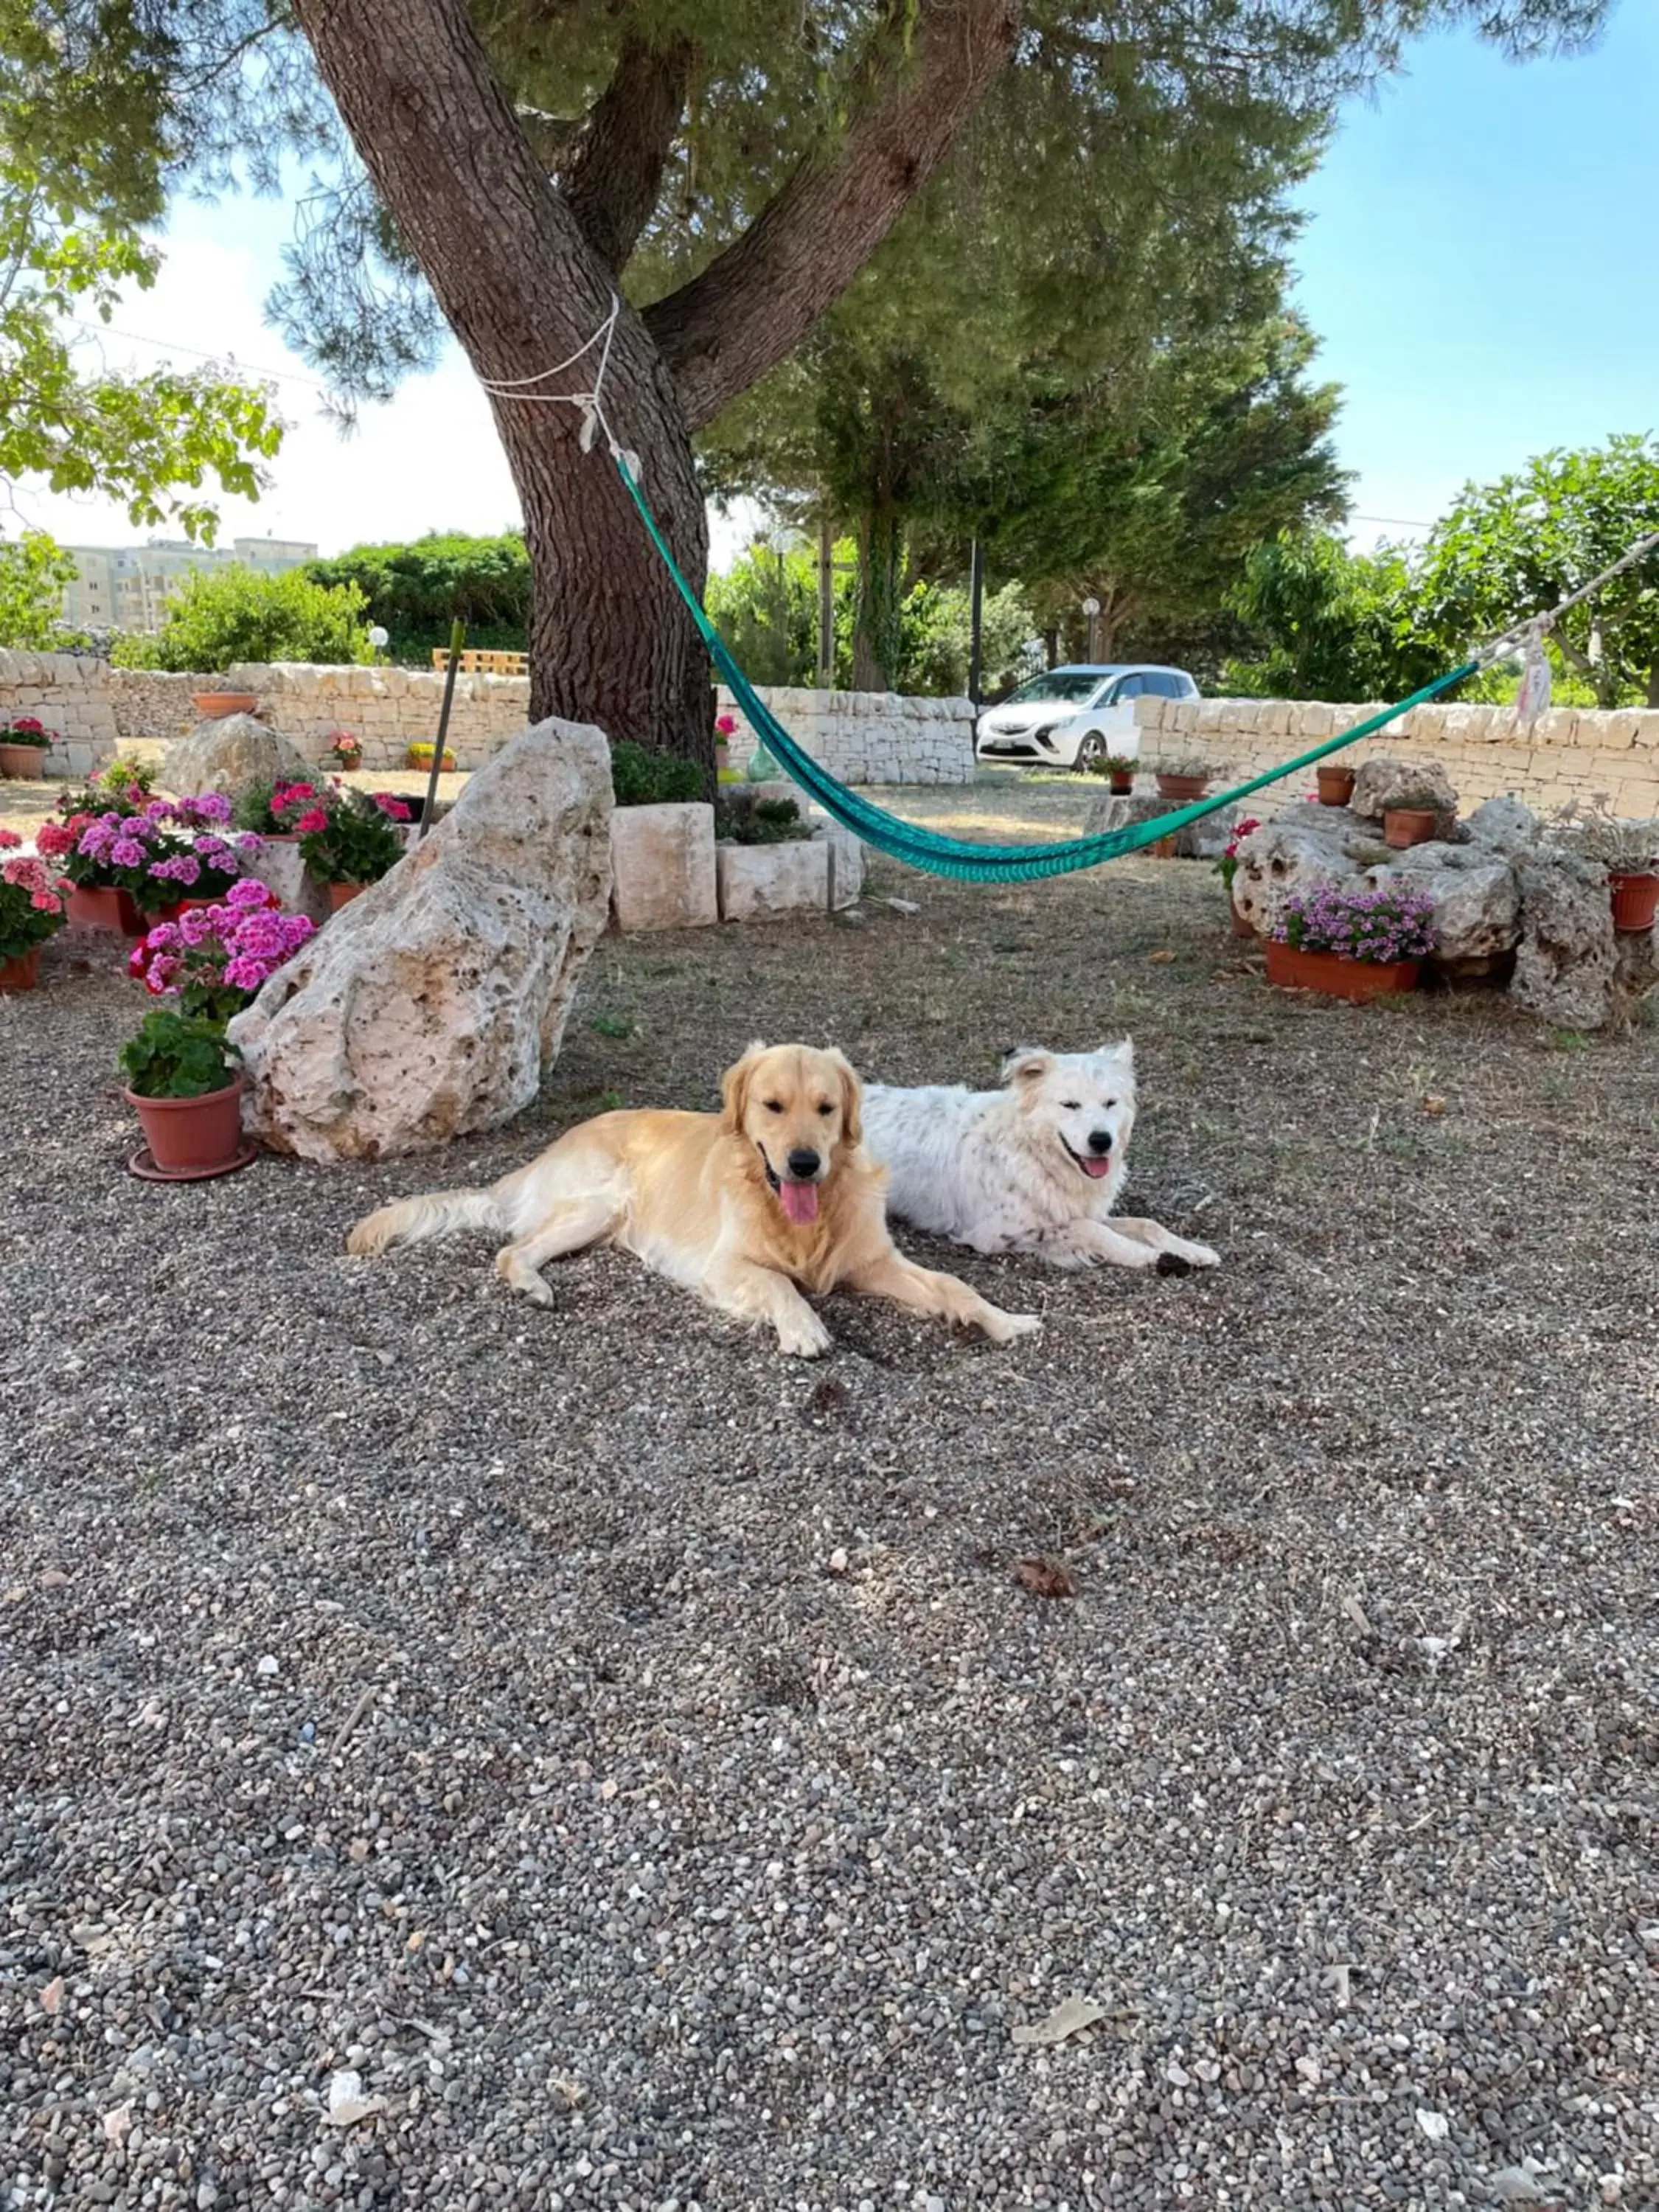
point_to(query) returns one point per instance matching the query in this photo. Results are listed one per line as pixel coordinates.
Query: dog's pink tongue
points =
(1097, 1168)
(800, 1200)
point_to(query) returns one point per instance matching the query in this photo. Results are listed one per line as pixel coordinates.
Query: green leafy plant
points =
(642, 777)
(1622, 847)
(177, 1056)
(348, 837)
(26, 730)
(225, 615)
(34, 570)
(768, 821)
(1187, 764)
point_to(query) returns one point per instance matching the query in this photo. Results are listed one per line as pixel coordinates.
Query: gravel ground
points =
(635, 1757)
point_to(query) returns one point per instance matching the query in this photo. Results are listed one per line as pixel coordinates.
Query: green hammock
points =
(958, 856)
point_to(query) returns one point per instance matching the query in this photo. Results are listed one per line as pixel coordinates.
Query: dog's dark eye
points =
(1071, 1105)
(826, 1108)
(1109, 1106)
(774, 1106)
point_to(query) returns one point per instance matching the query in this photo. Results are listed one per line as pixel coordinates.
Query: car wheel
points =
(1092, 748)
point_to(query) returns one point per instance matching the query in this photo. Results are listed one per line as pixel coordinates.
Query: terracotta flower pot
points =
(213, 706)
(21, 972)
(1408, 825)
(341, 895)
(94, 907)
(1182, 790)
(1358, 980)
(28, 762)
(1635, 900)
(192, 1136)
(1335, 786)
(1122, 787)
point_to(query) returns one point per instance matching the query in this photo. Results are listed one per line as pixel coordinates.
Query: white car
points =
(1072, 717)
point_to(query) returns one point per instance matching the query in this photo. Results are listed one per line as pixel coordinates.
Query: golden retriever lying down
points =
(742, 1206)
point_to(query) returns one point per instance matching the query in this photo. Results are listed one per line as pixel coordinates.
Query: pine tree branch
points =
(612, 183)
(756, 301)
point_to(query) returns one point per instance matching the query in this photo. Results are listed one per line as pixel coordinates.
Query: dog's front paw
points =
(803, 1336)
(1003, 1327)
(1200, 1256)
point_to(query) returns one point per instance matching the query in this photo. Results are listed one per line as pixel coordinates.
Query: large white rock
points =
(1566, 966)
(1477, 902)
(1306, 845)
(229, 755)
(1383, 782)
(662, 860)
(434, 1004)
(762, 883)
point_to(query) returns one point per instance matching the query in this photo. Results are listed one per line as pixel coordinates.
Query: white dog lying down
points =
(1034, 1167)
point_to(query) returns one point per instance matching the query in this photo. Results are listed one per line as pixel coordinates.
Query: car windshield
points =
(1060, 684)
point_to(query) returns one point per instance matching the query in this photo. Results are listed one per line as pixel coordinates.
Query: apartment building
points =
(128, 586)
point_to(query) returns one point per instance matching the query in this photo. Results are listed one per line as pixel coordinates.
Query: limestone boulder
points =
(1204, 840)
(1566, 965)
(662, 863)
(1298, 849)
(231, 756)
(1505, 825)
(1477, 902)
(1383, 782)
(765, 883)
(846, 860)
(432, 1005)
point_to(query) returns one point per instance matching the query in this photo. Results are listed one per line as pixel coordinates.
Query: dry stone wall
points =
(861, 737)
(870, 737)
(1570, 754)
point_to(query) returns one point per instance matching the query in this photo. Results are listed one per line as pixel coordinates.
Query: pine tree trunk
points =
(610, 641)
(876, 639)
(524, 273)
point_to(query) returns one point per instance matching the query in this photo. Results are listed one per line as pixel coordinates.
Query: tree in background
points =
(415, 592)
(733, 169)
(222, 615)
(34, 570)
(1329, 625)
(1152, 507)
(1519, 546)
(82, 175)
(766, 608)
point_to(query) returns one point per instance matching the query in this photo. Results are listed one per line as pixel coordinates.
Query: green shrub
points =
(768, 821)
(177, 1056)
(224, 616)
(641, 777)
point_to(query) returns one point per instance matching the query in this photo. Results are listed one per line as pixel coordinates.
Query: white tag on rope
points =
(1534, 697)
(631, 462)
(589, 429)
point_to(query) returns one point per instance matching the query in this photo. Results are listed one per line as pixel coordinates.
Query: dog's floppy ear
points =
(734, 1087)
(851, 1098)
(1027, 1064)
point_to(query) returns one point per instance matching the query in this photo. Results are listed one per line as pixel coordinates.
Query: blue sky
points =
(1481, 264)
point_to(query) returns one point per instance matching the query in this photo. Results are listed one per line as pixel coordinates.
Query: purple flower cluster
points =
(1385, 923)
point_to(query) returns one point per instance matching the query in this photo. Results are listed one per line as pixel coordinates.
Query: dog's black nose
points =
(1100, 1141)
(803, 1163)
